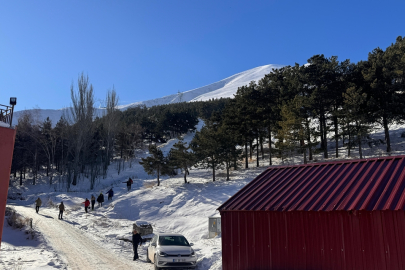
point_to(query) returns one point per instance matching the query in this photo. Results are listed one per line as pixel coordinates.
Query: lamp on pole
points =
(13, 102)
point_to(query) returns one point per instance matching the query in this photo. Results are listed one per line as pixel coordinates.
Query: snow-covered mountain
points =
(224, 88)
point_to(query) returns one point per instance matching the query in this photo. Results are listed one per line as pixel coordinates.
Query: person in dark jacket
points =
(86, 204)
(93, 201)
(136, 241)
(129, 183)
(38, 204)
(61, 209)
(110, 194)
(100, 199)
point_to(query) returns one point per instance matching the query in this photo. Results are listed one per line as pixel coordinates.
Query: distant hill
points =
(224, 88)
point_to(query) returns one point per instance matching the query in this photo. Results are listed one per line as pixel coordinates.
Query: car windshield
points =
(173, 241)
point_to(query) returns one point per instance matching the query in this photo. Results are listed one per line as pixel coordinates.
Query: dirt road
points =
(78, 250)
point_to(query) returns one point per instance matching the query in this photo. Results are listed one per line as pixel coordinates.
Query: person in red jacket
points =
(86, 204)
(129, 183)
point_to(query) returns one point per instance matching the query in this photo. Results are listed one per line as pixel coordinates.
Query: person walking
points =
(61, 209)
(136, 241)
(100, 199)
(129, 183)
(38, 204)
(110, 194)
(86, 204)
(93, 201)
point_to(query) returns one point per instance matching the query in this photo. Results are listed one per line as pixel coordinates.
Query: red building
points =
(333, 215)
(7, 136)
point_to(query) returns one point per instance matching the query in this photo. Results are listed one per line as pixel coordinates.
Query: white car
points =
(171, 250)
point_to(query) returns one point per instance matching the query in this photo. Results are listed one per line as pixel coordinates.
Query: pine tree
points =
(269, 103)
(156, 163)
(181, 158)
(206, 148)
(357, 115)
(395, 59)
(228, 151)
(377, 72)
(294, 125)
(323, 86)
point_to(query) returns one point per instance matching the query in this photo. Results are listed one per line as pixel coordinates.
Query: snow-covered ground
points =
(172, 207)
(2, 124)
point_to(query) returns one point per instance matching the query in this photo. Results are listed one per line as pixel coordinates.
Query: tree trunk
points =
(257, 152)
(158, 174)
(387, 133)
(185, 176)
(35, 167)
(269, 129)
(261, 146)
(321, 131)
(349, 142)
(227, 171)
(308, 139)
(325, 140)
(335, 120)
(74, 181)
(304, 150)
(251, 148)
(359, 142)
(247, 156)
(213, 172)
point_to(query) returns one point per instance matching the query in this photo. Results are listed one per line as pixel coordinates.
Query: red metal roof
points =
(366, 184)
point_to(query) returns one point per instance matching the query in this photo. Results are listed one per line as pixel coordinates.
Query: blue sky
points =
(149, 49)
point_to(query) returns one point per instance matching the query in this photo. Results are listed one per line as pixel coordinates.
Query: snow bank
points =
(2, 124)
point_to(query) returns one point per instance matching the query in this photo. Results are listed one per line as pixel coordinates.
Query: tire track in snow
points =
(78, 250)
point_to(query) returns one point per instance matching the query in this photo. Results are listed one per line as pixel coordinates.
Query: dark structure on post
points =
(335, 215)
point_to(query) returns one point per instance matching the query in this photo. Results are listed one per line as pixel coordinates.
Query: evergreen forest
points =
(295, 110)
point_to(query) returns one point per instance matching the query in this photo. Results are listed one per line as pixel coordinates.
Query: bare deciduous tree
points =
(110, 123)
(81, 116)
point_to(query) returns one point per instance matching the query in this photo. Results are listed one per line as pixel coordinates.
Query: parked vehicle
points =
(144, 228)
(168, 250)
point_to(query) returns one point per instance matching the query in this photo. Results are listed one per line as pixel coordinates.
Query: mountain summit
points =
(222, 89)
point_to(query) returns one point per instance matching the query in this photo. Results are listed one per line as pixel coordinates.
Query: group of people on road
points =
(100, 200)
(136, 237)
(38, 204)
(87, 202)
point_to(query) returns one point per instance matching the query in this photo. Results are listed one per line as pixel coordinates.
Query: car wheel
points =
(156, 267)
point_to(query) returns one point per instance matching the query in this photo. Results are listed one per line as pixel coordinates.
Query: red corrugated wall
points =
(7, 137)
(356, 240)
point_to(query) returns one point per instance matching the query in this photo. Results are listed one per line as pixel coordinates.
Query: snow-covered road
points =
(78, 250)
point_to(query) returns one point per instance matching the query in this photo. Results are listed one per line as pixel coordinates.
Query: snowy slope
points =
(224, 88)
